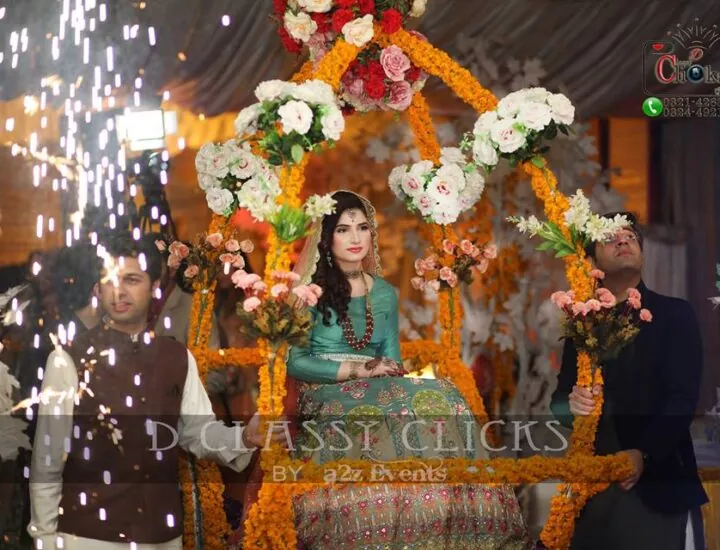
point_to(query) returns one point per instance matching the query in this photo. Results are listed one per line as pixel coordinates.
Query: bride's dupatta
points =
(305, 267)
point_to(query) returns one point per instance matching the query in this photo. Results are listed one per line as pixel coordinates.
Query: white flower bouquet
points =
(292, 119)
(518, 128)
(584, 227)
(225, 171)
(439, 193)
(292, 223)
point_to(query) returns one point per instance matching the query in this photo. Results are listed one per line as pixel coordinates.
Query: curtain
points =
(665, 251)
(690, 203)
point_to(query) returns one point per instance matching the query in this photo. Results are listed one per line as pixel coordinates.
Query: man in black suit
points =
(650, 395)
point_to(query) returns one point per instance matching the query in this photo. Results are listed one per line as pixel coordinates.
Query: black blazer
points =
(651, 392)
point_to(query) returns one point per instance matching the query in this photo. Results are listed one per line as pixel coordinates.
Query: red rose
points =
(366, 6)
(413, 74)
(391, 21)
(280, 6)
(323, 21)
(340, 18)
(375, 88)
(361, 71)
(291, 45)
(347, 4)
(375, 69)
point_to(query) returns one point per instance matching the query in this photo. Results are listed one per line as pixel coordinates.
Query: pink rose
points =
(561, 299)
(593, 305)
(580, 308)
(634, 303)
(161, 246)
(446, 273)
(305, 295)
(191, 271)
(251, 304)
(227, 258)
(247, 246)
(645, 315)
(634, 294)
(490, 251)
(448, 246)
(315, 289)
(400, 96)
(232, 245)
(356, 87)
(244, 280)
(174, 261)
(279, 290)
(466, 246)
(607, 298)
(285, 276)
(395, 63)
(259, 287)
(452, 280)
(179, 249)
(597, 274)
(214, 239)
(238, 261)
(418, 283)
(420, 266)
(475, 252)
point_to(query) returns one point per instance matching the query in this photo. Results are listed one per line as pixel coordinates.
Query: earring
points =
(329, 259)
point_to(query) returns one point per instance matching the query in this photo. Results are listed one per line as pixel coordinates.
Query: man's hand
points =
(582, 400)
(252, 437)
(638, 467)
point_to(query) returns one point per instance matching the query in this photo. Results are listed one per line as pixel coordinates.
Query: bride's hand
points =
(382, 366)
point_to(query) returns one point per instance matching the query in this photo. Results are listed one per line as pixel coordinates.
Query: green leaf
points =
(564, 129)
(547, 245)
(537, 161)
(297, 153)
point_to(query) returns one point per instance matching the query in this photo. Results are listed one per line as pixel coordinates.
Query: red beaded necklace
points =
(349, 331)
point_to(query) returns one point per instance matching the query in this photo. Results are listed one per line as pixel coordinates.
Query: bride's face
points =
(352, 237)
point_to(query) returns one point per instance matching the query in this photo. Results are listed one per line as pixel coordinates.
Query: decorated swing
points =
(267, 163)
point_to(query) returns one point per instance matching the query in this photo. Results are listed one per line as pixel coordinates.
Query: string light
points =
(225, 20)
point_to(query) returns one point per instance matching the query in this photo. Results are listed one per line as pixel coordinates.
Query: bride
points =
(352, 371)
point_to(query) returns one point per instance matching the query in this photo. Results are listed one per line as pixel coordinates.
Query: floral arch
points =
(270, 521)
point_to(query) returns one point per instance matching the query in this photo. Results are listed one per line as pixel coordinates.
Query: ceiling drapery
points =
(592, 49)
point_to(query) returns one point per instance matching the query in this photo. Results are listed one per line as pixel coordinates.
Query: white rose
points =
(203, 160)
(486, 121)
(418, 8)
(359, 32)
(537, 95)
(508, 138)
(333, 124)
(216, 162)
(207, 182)
(453, 175)
(484, 152)
(422, 168)
(452, 155)
(316, 6)
(220, 201)
(446, 211)
(442, 190)
(297, 116)
(412, 184)
(273, 89)
(243, 164)
(534, 116)
(301, 26)
(245, 123)
(509, 106)
(563, 111)
(395, 181)
(315, 91)
(425, 204)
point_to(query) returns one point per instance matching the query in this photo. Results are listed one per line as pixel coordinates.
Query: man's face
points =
(621, 253)
(126, 294)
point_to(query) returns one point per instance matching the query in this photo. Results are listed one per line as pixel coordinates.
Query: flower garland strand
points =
(333, 66)
(423, 129)
(438, 63)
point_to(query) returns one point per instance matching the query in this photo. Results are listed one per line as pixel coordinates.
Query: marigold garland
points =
(418, 115)
(333, 66)
(438, 63)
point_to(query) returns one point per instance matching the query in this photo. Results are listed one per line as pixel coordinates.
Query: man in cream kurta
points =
(58, 445)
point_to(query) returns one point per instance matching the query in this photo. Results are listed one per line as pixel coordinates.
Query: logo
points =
(681, 58)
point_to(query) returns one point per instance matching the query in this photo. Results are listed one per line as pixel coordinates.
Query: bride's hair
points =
(328, 276)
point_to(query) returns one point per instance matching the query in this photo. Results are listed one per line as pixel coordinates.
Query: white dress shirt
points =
(59, 387)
